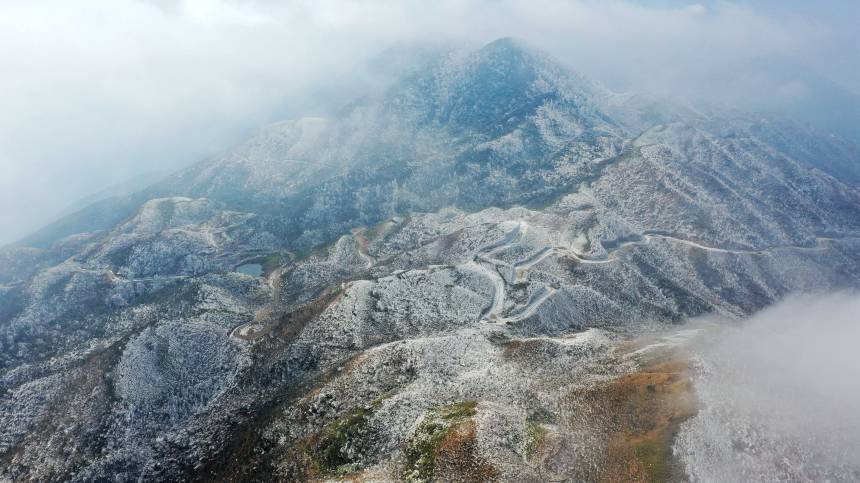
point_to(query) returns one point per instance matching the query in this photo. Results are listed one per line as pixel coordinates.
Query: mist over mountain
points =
(104, 90)
(475, 263)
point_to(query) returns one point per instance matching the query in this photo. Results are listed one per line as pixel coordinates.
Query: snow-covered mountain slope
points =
(456, 276)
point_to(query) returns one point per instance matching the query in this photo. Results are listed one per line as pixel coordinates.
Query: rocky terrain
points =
(478, 275)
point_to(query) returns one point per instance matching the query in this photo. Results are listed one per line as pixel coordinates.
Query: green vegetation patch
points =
(272, 261)
(534, 436)
(421, 449)
(655, 456)
(535, 431)
(457, 411)
(331, 452)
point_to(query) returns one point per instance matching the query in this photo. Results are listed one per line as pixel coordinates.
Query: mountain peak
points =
(490, 90)
(506, 44)
(525, 55)
(517, 56)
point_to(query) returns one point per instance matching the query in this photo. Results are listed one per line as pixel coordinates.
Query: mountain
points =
(468, 276)
(781, 84)
(125, 188)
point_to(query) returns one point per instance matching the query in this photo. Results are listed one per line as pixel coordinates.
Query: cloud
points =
(697, 9)
(95, 91)
(778, 395)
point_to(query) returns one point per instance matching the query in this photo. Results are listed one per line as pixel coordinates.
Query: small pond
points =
(252, 269)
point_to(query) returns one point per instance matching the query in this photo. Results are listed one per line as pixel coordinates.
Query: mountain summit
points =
(492, 91)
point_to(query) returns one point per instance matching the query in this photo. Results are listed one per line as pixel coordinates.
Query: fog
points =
(96, 92)
(779, 397)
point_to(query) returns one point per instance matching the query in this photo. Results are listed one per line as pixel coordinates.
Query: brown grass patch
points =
(457, 458)
(640, 414)
(521, 348)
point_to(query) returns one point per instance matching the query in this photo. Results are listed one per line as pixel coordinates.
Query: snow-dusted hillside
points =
(457, 275)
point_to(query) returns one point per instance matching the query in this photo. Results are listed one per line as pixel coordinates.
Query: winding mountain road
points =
(531, 307)
(484, 262)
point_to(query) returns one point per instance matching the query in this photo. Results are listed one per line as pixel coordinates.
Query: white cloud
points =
(779, 399)
(697, 9)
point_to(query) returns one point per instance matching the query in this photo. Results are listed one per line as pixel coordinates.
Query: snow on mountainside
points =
(462, 277)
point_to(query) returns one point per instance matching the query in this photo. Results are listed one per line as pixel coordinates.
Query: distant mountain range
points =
(453, 271)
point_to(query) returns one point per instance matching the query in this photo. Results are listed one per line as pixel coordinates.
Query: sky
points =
(96, 92)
